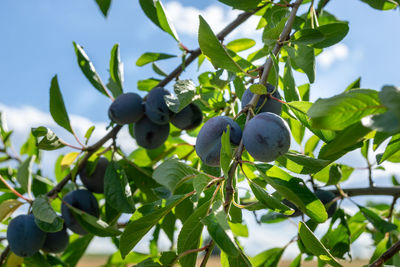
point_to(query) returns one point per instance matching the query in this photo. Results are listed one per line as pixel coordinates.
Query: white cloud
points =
(186, 19)
(332, 54)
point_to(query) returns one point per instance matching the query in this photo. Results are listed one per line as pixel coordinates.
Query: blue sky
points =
(37, 41)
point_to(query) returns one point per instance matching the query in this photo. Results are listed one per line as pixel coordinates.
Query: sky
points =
(37, 41)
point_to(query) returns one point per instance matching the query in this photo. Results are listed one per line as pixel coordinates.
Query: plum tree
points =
(126, 108)
(155, 107)
(24, 237)
(326, 197)
(80, 199)
(266, 137)
(56, 242)
(188, 118)
(94, 182)
(270, 105)
(208, 142)
(149, 134)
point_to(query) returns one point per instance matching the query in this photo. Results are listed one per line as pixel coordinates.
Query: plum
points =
(270, 106)
(326, 197)
(208, 142)
(24, 237)
(56, 242)
(156, 108)
(266, 137)
(95, 181)
(188, 118)
(126, 108)
(150, 135)
(80, 199)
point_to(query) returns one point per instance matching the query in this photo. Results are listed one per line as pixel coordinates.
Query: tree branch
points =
(370, 191)
(90, 151)
(4, 255)
(387, 255)
(195, 53)
(266, 70)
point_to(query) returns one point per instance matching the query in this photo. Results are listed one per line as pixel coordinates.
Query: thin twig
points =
(4, 255)
(387, 255)
(14, 191)
(392, 207)
(209, 250)
(197, 52)
(187, 252)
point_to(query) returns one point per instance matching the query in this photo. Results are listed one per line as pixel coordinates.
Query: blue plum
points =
(56, 242)
(326, 197)
(95, 181)
(266, 137)
(80, 199)
(188, 118)
(126, 108)
(270, 106)
(208, 142)
(149, 134)
(24, 237)
(156, 108)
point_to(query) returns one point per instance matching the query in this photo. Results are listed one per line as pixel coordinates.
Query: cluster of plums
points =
(25, 238)
(151, 116)
(265, 137)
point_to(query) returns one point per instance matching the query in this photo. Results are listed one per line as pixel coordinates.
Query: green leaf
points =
(173, 172)
(148, 84)
(311, 145)
(220, 237)
(68, 160)
(381, 4)
(345, 141)
(313, 245)
(258, 89)
(302, 164)
(117, 69)
(380, 248)
(242, 4)
(325, 175)
(88, 69)
(333, 33)
(7, 207)
(379, 223)
(190, 234)
(104, 5)
(226, 151)
(239, 229)
(271, 33)
(57, 107)
(303, 59)
(294, 190)
(212, 48)
(117, 191)
(354, 85)
(390, 97)
(340, 111)
(24, 174)
(50, 140)
(76, 249)
(239, 87)
(158, 70)
(387, 122)
(230, 261)
(135, 230)
(337, 239)
(200, 182)
(392, 148)
(242, 44)
(56, 226)
(147, 58)
(150, 10)
(307, 36)
(268, 258)
(92, 224)
(300, 109)
(269, 200)
(42, 210)
(296, 262)
(164, 22)
(185, 91)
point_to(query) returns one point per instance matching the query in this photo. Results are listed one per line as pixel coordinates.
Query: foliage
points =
(159, 187)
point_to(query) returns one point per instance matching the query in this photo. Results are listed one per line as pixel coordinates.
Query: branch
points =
(370, 191)
(267, 68)
(90, 151)
(209, 250)
(387, 255)
(4, 255)
(195, 53)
